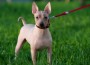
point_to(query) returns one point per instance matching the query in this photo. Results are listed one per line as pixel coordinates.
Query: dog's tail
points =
(22, 19)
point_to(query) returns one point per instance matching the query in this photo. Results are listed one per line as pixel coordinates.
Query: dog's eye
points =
(45, 17)
(37, 17)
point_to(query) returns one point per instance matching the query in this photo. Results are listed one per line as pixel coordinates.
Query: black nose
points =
(41, 24)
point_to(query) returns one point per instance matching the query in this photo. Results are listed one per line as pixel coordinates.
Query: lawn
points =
(70, 33)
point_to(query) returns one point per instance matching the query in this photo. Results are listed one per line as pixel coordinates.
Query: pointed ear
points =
(34, 8)
(48, 8)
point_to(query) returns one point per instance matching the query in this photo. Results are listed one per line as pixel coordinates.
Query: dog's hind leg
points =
(20, 41)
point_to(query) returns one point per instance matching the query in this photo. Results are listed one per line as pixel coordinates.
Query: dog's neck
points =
(41, 32)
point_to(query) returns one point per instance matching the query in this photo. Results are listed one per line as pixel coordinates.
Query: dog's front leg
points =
(49, 55)
(33, 54)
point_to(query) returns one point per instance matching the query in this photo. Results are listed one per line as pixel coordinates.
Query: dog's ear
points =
(34, 8)
(48, 8)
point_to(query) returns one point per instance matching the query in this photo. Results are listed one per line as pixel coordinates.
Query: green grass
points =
(70, 33)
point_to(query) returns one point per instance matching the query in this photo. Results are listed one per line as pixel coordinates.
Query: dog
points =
(38, 35)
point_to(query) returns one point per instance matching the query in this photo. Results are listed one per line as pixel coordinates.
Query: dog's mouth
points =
(43, 27)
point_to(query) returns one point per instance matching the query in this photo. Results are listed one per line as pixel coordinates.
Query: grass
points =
(70, 33)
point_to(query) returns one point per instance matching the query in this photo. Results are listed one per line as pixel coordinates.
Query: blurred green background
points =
(70, 33)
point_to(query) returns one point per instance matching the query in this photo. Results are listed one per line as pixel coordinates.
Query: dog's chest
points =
(42, 40)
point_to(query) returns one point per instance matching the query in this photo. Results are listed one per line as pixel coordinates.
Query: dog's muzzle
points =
(43, 27)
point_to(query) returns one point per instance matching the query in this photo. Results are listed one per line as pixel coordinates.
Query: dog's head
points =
(41, 17)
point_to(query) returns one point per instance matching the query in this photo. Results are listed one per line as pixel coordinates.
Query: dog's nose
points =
(42, 24)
